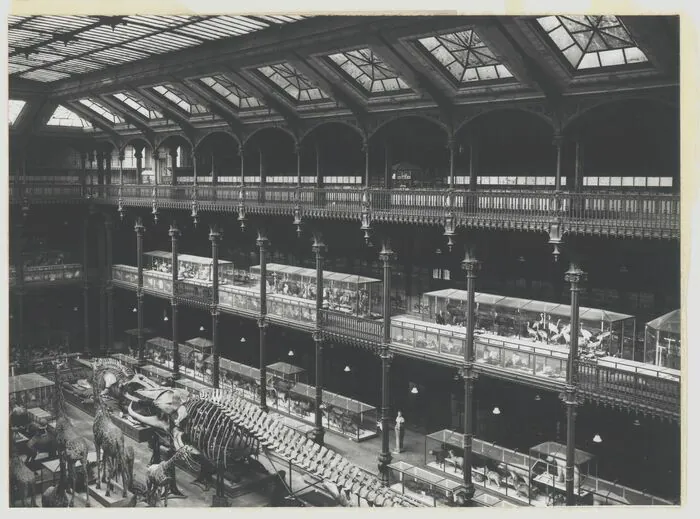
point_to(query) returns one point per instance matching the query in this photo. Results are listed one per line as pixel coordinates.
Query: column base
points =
(317, 435)
(383, 466)
(220, 502)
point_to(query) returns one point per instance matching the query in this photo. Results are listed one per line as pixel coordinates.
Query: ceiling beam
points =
(94, 119)
(261, 91)
(140, 122)
(658, 38)
(529, 69)
(334, 88)
(211, 100)
(418, 80)
(170, 112)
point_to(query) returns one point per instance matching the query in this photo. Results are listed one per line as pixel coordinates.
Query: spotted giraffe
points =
(159, 475)
(109, 445)
(22, 479)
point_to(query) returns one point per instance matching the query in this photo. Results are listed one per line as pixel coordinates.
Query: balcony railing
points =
(613, 213)
(50, 274)
(348, 326)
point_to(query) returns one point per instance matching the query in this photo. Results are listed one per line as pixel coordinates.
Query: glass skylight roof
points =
(101, 110)
(369, 71)
(14, 108)
(293, 83)
(37, 42)
(64, 117)
(231, 92)
(465, 56)
(592, 41)
(135, 104)
(176, 96)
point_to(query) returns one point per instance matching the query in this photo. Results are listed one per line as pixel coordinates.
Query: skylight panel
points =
(76, 66)
(231, 92)
(138, 106)
(369, 71)
(117, 55)
(14, 68)
(292, 82)
(465, 57)
(101, 110)
(164, 42)
(45, 76)
(64, 117)
(161, 22)
(589, 42)
(59, 24)
(120, 33)
(15, 107)
(24, 38)
(175, 96)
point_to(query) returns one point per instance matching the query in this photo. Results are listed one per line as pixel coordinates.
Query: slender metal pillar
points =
(297, 151)
(174, 233)
(214, 237)
(138, 227)
(194, 167)
(214, 173)
(86, 288)
(365, 148)
(121, 167)
(319, 249)
(263, 243)
(558, 142)
(19, 291)
(138, 155)
(570, 397)
(109, 288)
(241, 153)
(471, 266)
(451, 147)
(173, 160)
(473, 164)
(103, 287)
(386, 255)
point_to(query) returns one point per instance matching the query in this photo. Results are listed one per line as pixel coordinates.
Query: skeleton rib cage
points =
(225, 427)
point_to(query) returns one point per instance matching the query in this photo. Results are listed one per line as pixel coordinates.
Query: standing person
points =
(400, 431)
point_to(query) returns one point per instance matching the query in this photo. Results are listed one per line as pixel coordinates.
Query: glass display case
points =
(425, 336)
(158, 282)
(548, 471)
(350, 293)
(494, 468)
(286, 372)
(160, 351)
(234, 375)
(662, 341)
(190, 268)
(49, 273)
(132, 339)
(291, 308)
(351, 418)
(201, 350)
(126, 274)
(601, 332)
(32, 391)
(240, 298)
(422, 485)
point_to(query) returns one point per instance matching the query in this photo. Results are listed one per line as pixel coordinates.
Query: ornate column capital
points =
(317, 336)
(262, 241)
(262, 322)
(214, 233)
(122, 156)
(575, 274)
(138, 226)
(174, 232)
(318, 247)
(558, 140)
(470, 264)
(386, 254)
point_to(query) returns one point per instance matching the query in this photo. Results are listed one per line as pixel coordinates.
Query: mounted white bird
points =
(585, 334)
(531, 331)
(553, 328)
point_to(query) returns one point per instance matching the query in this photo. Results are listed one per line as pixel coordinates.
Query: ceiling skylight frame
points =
(368, 71)
(288, 80)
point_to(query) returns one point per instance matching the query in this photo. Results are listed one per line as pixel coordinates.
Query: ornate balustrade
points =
(350, 328)
(49, 275)
(125, 276)
(648, 215)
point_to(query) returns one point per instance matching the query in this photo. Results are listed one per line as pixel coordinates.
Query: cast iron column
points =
(138, 227)
(173, 160)
(19, 290)
(241, 152)
(319, 248)
(103, 292)
(174, 233)
(263, 242)
(214, 237)
(471, 266)
(86, 288)
(365, 148)
(574, 276)
(121, 167)
(386, 255)
(194, 167)
(297, 151)
(558, 141)
(451, 147)
(138, 155)
(109, 288)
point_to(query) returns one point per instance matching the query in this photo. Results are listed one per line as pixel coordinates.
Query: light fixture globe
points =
(291, 353)
(201, 328)
(597, 439)
(414, 390)
(347, 369)
(496, 410)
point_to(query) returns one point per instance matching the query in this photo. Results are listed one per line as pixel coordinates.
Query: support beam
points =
(319, 249)
(259, 89)
(101, 261)
(94, 119)
(139, 228)
(139, 122)
(214, 238)
(174, 233)
(336, 89)
(657, 38)
(386, 255)
(109, 288)
(169, 112)
(263, 243)
(86, 288)
(216, 105)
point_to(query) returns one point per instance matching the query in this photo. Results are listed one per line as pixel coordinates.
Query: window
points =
(465, 57)
(590, 42)
(178, 98)
(231, 92)
(15, 108)
(101, 110)
(64, 117)
(132, 102)
(443, 274)
(293, 83)
(369, 71)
